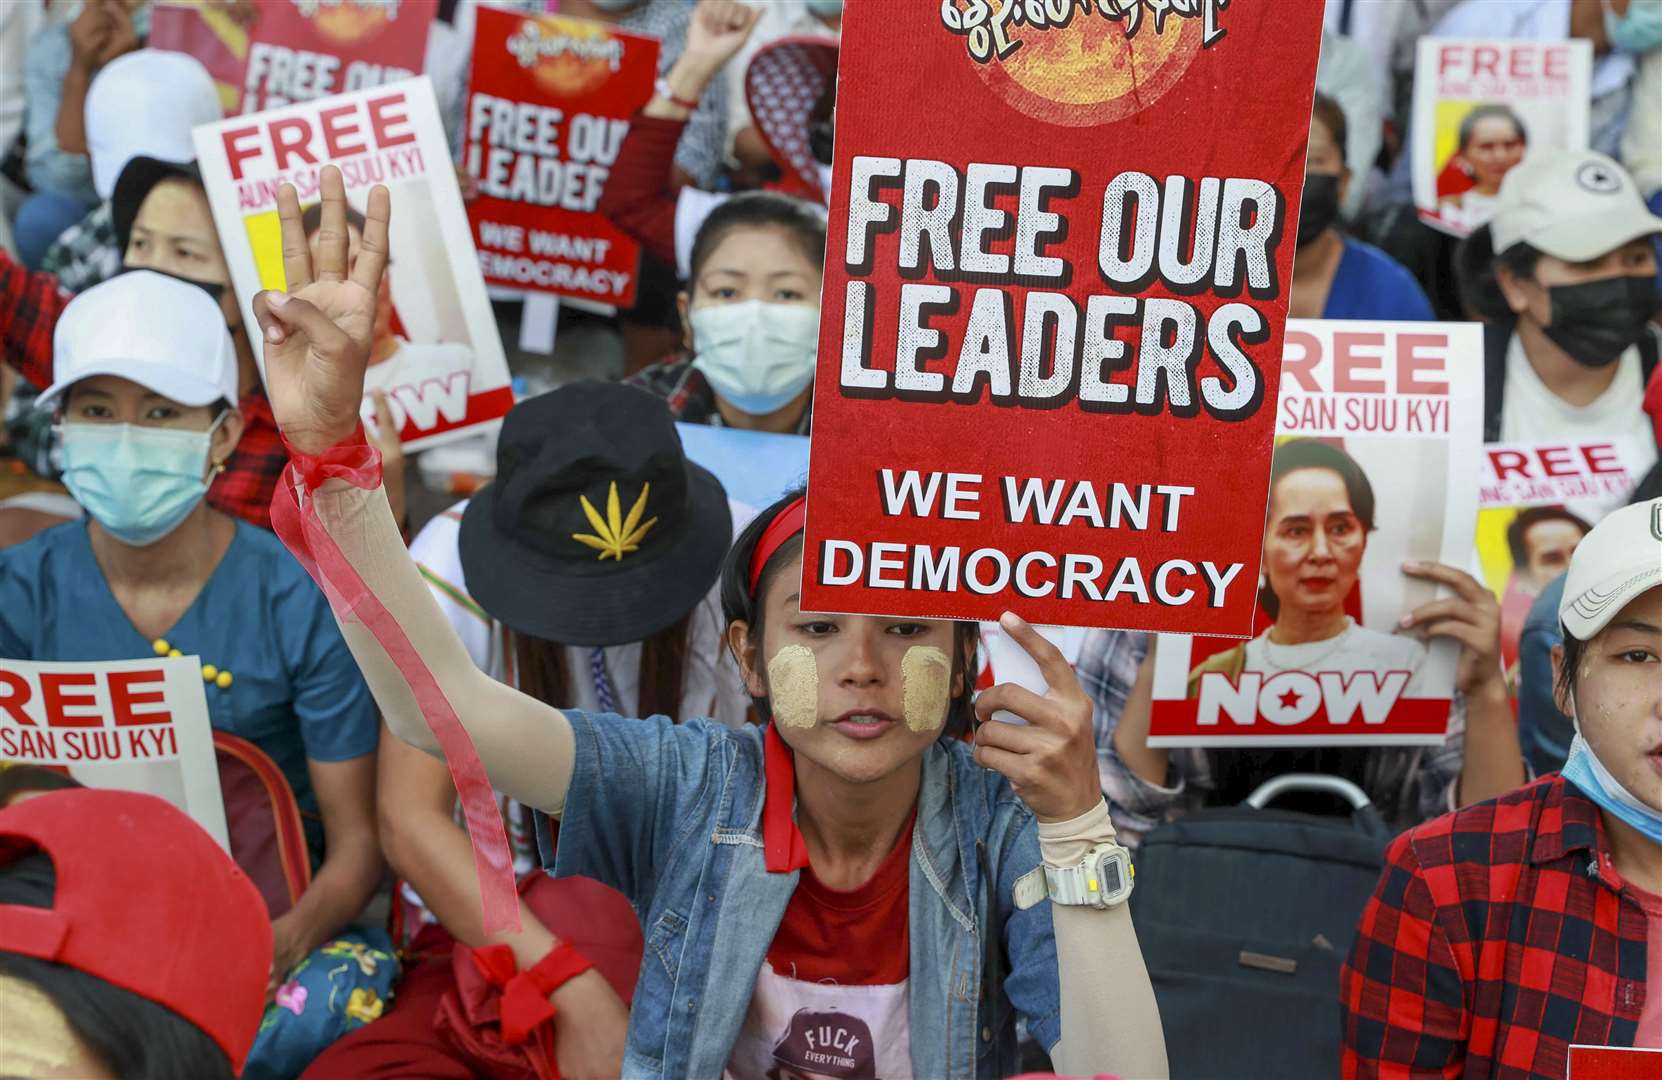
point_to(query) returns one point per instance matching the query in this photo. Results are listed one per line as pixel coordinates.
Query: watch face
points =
(1111, 879)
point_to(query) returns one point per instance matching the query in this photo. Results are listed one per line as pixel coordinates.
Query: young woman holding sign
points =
(762, 864)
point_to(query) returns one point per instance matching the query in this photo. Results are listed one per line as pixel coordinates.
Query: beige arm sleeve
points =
(1110, 1022)
(525, 745)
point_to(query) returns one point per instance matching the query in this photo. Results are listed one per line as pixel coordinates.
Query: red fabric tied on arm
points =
(783, 847)
(295, 521)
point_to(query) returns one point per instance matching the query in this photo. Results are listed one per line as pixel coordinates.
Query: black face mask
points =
(1320, 207)
(1595, 321)
(213, 288)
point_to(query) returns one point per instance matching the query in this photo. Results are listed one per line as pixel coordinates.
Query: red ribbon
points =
(783, 847)
(525, 1003)
(296, 523)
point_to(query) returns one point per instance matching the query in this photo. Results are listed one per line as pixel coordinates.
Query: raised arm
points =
(317, 338)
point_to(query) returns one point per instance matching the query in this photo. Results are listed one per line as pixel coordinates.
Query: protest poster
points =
(133, 725)
(300, 50)
(436, 353)
(1056, 280)
(1481, 107)
(208, 31)
(1535, 502)
(1613, 1063)
(548, 107)
(1379, 427)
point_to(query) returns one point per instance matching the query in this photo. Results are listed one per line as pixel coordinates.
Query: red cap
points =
(146, 901)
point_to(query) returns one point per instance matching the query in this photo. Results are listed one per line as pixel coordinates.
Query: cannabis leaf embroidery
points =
(618, 536)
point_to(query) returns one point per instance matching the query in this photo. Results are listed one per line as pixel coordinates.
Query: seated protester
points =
(1502, 933)
(494, 569)
(1336, 276)
(163, 223)
(1566, 277)
(131, 946)
(146, 374)
(754, 913)
(142, 105)
(1321, 510)
(751, 312)
(62, 59)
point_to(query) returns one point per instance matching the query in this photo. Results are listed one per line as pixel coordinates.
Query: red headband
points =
(785, 524)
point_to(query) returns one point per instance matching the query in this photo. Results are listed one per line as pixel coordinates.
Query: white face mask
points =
(756, 355)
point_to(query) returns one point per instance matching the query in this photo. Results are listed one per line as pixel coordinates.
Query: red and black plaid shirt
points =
(1498, 935)
(30, 304)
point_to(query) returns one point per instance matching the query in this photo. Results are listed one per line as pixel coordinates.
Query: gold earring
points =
(219, 467)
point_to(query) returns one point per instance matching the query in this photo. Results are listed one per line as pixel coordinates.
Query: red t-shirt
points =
(1650, 1019)
(854, 938)
(831, 998)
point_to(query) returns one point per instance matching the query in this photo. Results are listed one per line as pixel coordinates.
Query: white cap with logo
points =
(1572, 204)
(144, 104)
(165, 334)
(1616, 562)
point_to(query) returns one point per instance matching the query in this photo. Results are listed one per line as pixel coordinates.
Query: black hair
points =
(134, 1037)
(822, 124)
(739, 604)
(21, 778)
(1298, 454)
(311, 219)
(1528, 519)
(1332, 117)
(1574, 650)
(1475, 271)
(1491, 111)
(802, 220)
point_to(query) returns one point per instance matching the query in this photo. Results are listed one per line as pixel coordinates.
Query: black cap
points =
(597, 529)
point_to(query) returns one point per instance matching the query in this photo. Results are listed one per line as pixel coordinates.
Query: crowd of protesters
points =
(816, 855)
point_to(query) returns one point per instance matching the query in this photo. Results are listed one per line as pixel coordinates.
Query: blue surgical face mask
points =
(1587, 772)
(1637, 32)
(138, 482)
(757, 355)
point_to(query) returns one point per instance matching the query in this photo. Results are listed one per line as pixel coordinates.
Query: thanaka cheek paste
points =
(793, 687)
(924, 675)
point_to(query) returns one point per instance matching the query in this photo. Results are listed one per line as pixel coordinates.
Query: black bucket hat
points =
(134, 185)
(597, 529)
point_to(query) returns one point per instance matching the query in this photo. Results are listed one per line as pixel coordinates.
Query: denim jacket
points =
(671, 815)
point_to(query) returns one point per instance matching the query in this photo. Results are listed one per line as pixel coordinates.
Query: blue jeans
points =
(41, 219)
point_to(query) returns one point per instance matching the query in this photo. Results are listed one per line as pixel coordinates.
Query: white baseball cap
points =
(1572, 204)
(165, 334)
(144, 104)
(1620, 559)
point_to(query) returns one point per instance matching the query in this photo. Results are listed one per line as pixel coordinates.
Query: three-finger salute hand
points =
(1051, 760)
(317, 335)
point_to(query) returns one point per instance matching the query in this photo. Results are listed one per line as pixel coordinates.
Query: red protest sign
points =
(1614, 1063)
(304, 49)
(1057, 272)
(548, 106)
(211, 34)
